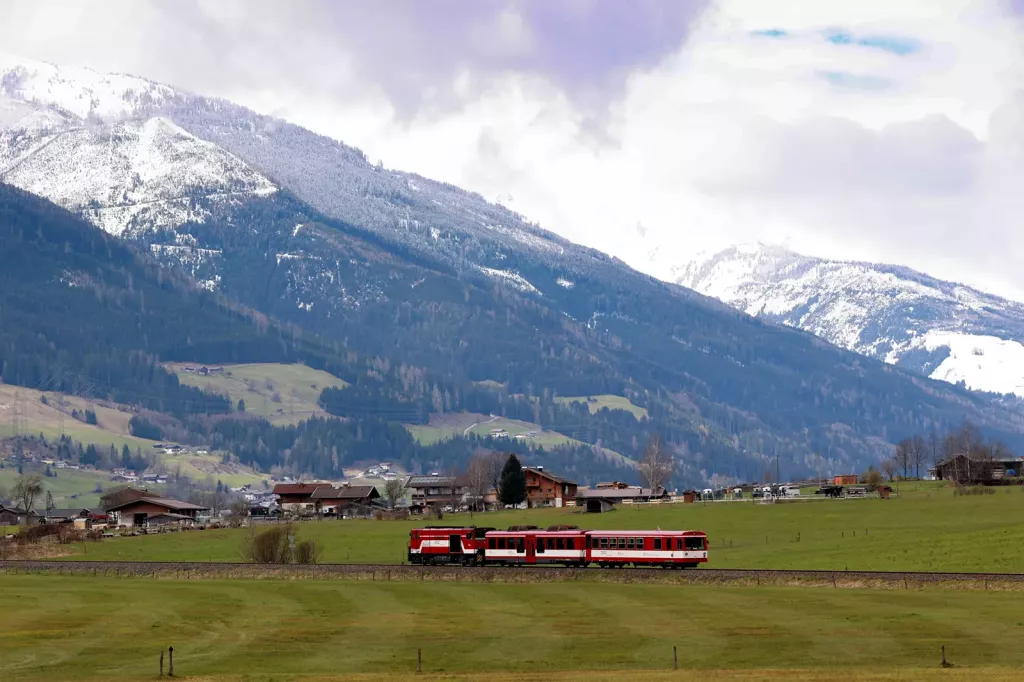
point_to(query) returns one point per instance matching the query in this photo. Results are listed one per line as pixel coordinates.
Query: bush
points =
(308, 552)
(270, 546)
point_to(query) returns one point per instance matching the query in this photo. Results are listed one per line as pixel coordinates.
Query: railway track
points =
(525, 574)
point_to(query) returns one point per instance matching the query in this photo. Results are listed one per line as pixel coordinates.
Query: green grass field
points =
(927, 530)
(209, 468)
(69, 488)
(613, 402)
(73, 628)
(284, 394)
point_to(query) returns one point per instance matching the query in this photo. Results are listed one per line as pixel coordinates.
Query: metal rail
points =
(399, 571)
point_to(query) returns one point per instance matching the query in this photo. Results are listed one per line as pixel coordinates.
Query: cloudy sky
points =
(889, 130)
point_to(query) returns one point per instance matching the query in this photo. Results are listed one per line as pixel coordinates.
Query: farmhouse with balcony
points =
(296, 497)
(545, 489)
(435, 491)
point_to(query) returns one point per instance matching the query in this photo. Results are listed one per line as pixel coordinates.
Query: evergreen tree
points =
(241, 405)
(126, 456)
(513, 482)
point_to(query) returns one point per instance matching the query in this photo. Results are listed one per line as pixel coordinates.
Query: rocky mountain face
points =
(940, 329)
(458, 304)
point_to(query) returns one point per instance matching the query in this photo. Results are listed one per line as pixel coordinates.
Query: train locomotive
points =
(557, 545)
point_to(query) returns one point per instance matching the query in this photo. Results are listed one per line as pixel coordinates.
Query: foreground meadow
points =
(104, 628)
(928, 529)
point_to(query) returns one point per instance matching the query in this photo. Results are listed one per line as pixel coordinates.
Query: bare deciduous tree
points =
(656, 464)
(394, 490)
(26, 491)
(889, 469)
(495, 465)
(478, 480)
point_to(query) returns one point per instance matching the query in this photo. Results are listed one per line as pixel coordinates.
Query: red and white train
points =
(561, 545)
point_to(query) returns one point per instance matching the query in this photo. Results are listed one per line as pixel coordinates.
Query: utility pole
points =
(778, 480)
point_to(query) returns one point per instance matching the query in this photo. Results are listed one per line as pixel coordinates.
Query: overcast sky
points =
(887, 130)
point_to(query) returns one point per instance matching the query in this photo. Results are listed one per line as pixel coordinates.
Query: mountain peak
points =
(942, 329)
(79, 91)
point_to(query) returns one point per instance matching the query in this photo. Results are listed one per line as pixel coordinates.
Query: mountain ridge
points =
(946, 330)
(460, 305)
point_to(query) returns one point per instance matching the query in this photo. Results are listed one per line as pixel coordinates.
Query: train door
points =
(455, 544)
(531, 549)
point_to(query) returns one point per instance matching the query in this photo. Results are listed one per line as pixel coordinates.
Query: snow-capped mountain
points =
(430, 279)
(944, 330)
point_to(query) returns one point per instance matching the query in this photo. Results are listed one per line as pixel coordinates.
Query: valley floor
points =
(95, 628)
(928, 529)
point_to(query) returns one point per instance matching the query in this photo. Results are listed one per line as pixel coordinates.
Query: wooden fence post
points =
(419, 660)
(675, 658)
(161, 663)
(170, 661)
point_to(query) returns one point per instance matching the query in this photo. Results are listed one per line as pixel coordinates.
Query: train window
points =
(629, 543)
(657, 544)
(604, 543)
(694, 543)
(560, 543)
(622, 543)
(679, 543)
(520, 547)
(541, 545)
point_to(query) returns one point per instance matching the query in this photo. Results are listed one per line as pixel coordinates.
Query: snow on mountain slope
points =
(131, 175)
(944, 330)
(82, 93)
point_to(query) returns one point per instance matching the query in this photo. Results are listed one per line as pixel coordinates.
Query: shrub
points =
(308, 552)
(270, 546)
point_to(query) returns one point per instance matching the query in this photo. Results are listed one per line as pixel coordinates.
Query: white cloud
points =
(901, 140)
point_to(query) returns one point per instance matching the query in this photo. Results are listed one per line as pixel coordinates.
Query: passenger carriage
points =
(533, 546)
(671, 549)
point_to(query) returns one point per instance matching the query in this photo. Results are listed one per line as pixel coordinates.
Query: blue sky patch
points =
(853, 81)
(770, 33)
(897, 45)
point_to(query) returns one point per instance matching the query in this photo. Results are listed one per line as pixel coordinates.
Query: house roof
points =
(547, 474)
(66, 513)
(613, 493)
(430, 481)
(345, 492)
(14, 510)
(172, 515)
(166, 502)
(296, 488)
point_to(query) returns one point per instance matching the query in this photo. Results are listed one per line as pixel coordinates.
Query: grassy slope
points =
(286, 630)
(111, 427)
(444, 426)
(210, 468)
(298, 388)
(612, 402)
(930, 529)
(69, 488)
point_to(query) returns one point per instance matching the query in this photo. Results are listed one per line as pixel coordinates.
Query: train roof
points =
(537, 531)
(644, 533)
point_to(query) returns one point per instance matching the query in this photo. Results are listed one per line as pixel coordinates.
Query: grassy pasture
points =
(69, 488)
(312, 630)
(36, 418)
(284, 394)
(613, 402)
(928, 529)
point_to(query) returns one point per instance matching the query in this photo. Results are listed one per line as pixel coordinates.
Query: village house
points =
(974, 470)
(436, 491)
(845, 479)
(146, 512)
(604, 496)
(544, 489)
(13, 516)
(346, 500)
(296, 497)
